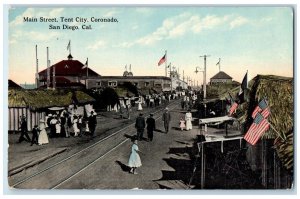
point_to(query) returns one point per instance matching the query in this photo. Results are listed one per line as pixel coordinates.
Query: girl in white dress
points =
(134, 159)
(181, 124)
(188, 120)
(43, 137)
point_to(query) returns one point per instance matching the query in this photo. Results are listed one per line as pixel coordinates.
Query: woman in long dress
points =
(75, 126)
(140, 108)
(134, 159)
(43, 137)
(188, 120)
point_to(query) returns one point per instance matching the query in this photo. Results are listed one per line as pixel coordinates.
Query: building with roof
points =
(66, 73)
(177, 83)
(13, 85)
(154, 83)
(220, 77)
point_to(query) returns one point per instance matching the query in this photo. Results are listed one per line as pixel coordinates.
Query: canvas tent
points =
(34, 103)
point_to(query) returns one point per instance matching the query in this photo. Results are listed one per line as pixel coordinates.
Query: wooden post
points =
(202, 166)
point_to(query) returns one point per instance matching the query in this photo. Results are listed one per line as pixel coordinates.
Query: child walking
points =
(134, 159)
(182, 124)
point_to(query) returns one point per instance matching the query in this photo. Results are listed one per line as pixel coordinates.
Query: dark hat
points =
(151, 114)
(35, 126)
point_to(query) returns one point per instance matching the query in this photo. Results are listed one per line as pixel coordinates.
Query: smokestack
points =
(48, 69)
(53, 79)
(37, 69)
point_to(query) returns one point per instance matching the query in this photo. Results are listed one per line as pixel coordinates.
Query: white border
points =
(174, 194)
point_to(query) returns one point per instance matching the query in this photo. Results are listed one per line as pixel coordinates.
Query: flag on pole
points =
(234, 105)
(233, 108)
(243, 87)
(257, 129)
(86, 64)
(69, 45)
(262, 108)
(218, 63)
(162, 60)
(169, 65)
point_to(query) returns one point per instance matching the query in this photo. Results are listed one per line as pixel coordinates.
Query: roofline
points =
(133, 77)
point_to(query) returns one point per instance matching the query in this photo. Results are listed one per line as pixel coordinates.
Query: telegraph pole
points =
(204, 76)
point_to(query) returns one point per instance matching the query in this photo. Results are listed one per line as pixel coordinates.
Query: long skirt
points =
(43, 137)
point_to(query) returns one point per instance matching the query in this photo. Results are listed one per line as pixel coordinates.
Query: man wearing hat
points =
(166, 119)
(92, 123)
(23, 128)
(140, 126)
(150, 126)
(35, 132)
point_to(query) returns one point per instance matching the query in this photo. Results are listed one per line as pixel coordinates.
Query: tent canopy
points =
(215, 119)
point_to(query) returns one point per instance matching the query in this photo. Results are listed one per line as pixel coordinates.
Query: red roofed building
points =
(68, 73)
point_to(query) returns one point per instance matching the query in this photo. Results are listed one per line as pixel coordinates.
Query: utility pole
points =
(48, 69)
(37, 69)
(204, 76)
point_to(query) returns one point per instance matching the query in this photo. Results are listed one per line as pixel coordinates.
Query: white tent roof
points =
(215, 119)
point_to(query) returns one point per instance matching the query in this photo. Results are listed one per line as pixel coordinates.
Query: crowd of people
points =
(141, 124)
(59, 124)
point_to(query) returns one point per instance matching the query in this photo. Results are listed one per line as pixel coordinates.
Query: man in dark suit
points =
(92, 123)
(24, 130)
(35, 135)
(150, 127)
(166, 119)
(140, 126)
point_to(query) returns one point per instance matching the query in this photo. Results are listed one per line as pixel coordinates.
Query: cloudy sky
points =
(257, 39)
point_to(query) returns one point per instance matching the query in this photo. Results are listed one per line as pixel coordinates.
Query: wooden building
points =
(220, 77)
(66, 74)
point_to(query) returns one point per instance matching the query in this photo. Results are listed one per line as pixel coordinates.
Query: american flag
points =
(162, 60)
(233, 108)
(263, 108)
(257, 129)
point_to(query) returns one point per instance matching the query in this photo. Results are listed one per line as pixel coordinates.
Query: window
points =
(112, 83)
(98, 83)
(147, 84)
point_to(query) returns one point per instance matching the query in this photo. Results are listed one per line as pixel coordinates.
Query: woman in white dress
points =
(43, 137)
(188, 120)
(134, 159)
(75, 126)
(140, 108)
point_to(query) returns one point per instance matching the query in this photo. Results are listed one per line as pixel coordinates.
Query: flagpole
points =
(166, 61)
(70, 48)
(277, 132)
(87, 67)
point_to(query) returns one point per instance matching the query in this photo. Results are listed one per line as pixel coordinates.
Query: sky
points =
(254, 39)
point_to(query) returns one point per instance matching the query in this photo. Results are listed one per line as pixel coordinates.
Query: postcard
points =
(150, 97)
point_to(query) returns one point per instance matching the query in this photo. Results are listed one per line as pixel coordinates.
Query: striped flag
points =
(233, 108)
(263, 108)
(257, 129)
(234, 105)
(162, 60)
(85, 65)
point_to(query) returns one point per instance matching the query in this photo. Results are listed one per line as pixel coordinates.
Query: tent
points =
(33, 104)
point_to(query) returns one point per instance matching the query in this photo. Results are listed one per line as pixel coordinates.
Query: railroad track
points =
(89, 150)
